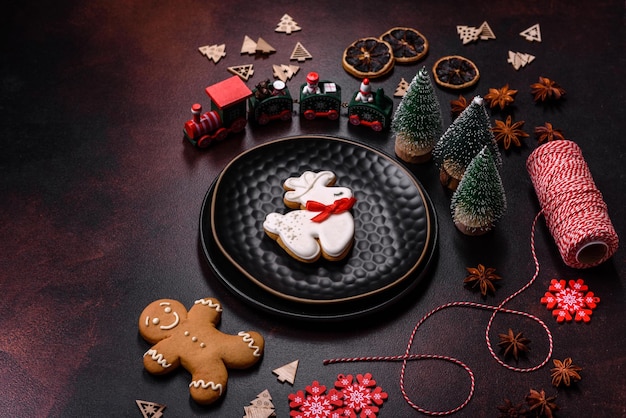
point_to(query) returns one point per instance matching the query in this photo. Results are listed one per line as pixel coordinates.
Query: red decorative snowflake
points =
(349, 399)
(359, 397)
(315, 403)
(570, 301)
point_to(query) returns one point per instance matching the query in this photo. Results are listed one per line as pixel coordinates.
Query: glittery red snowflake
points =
(570, 301)
(349, 399)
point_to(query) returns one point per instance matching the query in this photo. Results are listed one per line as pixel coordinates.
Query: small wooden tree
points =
(462, 141)
(417, 122)
(479, 200)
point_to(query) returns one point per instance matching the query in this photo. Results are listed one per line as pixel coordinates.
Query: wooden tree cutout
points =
(519, 59)
(263, 47)
(468, 33)
(213, 52)
(150, 409)
(485, 32)
(243, 71)
(260, 407)
(287, 25)
(248, 46)
(533, 33)
(287, 373)
(285, 72)
(300, 53)
(403, 85)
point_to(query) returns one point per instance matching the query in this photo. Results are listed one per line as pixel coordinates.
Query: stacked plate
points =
(395, 230)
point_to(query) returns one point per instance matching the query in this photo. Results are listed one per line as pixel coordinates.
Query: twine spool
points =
(572, 205)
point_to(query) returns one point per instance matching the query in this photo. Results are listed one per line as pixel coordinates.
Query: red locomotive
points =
(227, 114)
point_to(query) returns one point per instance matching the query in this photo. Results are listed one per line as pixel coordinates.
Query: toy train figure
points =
(227, 114)
(270, 101)
(319, 98)
(369, 109)
(233, 104)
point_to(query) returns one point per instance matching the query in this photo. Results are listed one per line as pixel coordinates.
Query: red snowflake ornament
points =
(315, 403)
(349, 399)
(570, 301)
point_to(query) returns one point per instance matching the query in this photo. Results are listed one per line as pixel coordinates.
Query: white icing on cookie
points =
(299, 233)
(248, 339)
(205, 385)
(158, 357)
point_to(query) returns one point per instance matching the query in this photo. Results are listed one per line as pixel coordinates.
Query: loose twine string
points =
(574, 213)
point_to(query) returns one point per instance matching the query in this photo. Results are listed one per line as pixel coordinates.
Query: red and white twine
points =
(572, 205)
(577, 218)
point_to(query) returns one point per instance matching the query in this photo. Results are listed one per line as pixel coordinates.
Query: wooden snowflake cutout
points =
(287, 25)
(150, 409)
(300, 53)
(287, 373)
(401, 89)
(532, 34)
(243, 71)
(213, 52)
(519, 59)
(570, 300)
(284, 72)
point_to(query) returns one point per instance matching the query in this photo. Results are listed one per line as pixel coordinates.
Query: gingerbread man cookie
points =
(190, 339)
(322, 225)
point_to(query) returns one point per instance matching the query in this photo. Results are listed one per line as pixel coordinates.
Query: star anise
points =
(565, 372)
(543, 407)
(509, 134)
(500, 97)
(546, 89)
(458, 106)
(547, 133)
(483, 277)
(511, 410)
(514, 344)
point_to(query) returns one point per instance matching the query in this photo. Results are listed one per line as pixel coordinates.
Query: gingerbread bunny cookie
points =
(322, 225)
(190, 339)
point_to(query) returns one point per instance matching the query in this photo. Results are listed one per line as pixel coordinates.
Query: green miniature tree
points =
(462, 141)
(417, 122)
(479, 200)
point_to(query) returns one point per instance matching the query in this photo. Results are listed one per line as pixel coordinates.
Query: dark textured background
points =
(100, 201)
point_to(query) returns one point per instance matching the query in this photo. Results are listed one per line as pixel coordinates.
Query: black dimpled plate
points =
(395, 229)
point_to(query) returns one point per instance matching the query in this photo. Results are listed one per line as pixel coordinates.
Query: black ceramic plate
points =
(395, 229)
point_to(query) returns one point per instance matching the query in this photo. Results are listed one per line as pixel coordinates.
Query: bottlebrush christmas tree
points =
(479, 200)
(462, 141)
(417, 122)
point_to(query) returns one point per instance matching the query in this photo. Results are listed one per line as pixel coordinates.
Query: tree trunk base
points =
(408, 152)
(447, 180)
(471, 231)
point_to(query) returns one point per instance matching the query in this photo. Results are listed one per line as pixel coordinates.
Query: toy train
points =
(233, 104)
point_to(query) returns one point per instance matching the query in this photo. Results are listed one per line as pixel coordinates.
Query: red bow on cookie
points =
(338, 206)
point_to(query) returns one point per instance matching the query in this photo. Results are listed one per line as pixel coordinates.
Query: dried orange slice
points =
(408, 44)
(368, 58)
(455, 72)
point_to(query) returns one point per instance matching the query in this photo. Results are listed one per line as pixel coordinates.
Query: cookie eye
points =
(168, 310)
(156, 321)
(338, 194)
